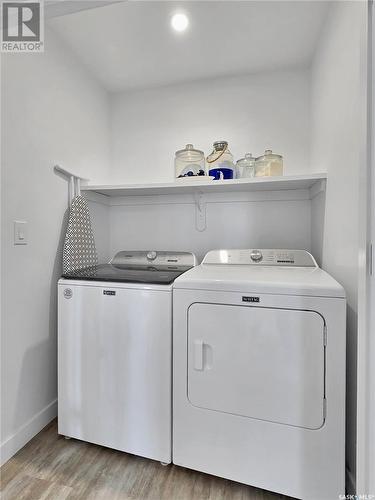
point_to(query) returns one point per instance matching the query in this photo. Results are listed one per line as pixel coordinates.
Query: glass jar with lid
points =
(270, 164)
(220, 161)
(245, 167)
(189, 162)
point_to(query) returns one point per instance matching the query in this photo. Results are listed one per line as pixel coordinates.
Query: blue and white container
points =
(220, 162)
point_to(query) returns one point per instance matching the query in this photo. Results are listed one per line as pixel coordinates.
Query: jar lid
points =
(268, 152)
(249, 158)
(220, 145)
(190, 152)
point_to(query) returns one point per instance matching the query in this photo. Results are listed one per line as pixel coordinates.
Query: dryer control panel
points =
(261, 257)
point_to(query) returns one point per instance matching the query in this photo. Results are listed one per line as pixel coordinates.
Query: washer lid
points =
(128, 266)
(109, 272)
(286, 279)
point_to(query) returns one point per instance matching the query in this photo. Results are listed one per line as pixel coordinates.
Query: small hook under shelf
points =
(200, 212)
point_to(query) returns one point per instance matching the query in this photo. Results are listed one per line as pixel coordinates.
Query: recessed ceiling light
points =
(180, 22)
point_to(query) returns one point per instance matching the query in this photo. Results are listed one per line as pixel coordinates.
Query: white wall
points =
(255, 112)
(336, 147)
(371, 324)
(264, 220)
(371, 299)
(252, 112)
(100, 221)
(366, 291)
(52, 112)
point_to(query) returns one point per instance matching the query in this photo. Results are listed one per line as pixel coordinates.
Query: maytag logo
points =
(109, 292)
(22, 26)
(250, 299)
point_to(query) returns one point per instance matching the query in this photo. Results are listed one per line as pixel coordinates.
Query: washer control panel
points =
(261, 257)
(160, 259)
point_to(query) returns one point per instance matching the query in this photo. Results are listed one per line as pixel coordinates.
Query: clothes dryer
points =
(259, 372)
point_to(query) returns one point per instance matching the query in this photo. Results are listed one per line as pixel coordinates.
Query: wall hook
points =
(200, 212)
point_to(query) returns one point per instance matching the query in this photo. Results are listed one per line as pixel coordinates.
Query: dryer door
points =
(257, 362)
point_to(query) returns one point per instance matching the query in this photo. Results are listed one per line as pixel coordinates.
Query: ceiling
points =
(128, 45)
(56, 8)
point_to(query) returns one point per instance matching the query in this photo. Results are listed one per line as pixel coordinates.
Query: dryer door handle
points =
(203, 355)
(198, 354)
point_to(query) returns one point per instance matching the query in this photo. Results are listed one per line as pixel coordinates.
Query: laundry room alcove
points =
(116, 93)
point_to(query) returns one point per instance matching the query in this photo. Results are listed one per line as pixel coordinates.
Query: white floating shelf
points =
(286, 182)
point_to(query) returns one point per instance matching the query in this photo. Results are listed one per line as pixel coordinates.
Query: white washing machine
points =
(259, 372)
(115, 352)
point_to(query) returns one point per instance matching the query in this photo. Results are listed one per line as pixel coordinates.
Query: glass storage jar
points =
(269, 164)
(245, 167)
(220, 161)
(189, 162)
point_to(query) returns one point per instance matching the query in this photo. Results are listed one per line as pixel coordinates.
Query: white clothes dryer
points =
(259, 372)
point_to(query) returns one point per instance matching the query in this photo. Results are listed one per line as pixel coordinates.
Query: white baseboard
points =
(14, 443)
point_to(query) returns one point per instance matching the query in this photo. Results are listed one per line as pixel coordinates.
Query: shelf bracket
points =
(200, 212)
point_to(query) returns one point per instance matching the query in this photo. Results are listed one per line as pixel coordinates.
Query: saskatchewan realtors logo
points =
(22, 26)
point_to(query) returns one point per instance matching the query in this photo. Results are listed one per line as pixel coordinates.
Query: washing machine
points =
(115, 352)
(259, 372)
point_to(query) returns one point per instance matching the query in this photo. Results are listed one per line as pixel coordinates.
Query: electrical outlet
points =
(20, 232)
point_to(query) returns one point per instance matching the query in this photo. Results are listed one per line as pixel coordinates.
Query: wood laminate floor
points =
(51, 467)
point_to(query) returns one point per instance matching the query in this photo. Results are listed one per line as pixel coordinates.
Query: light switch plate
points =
(20, 232)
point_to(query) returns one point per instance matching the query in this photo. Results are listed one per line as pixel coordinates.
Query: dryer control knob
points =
(256, 255)
(151, 255)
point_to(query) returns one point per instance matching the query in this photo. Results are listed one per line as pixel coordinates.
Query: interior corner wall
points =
(253, 112)
(336, 148)
(52, 112)
(318, 204)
